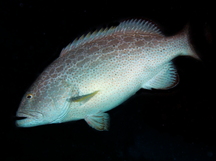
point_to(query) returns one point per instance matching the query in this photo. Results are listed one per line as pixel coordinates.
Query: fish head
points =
(36, 108)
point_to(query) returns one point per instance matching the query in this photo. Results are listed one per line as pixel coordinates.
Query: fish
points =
(101, 70)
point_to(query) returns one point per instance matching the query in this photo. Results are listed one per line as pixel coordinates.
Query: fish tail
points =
(185, 34)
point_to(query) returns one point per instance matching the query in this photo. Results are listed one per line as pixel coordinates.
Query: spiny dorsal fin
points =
(87, 38)
(134, 25)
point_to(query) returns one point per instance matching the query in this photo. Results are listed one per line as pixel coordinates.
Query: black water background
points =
(177, 124)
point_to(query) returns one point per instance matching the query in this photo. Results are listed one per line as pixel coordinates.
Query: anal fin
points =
(98, 121)
(166, 78)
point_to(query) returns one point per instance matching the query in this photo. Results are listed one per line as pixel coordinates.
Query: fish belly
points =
(112, 92)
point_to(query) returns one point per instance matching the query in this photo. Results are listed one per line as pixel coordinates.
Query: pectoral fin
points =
(166, 78)
(83, 98)
(98, 121)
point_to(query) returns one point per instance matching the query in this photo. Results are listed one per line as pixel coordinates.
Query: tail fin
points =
(185, 34)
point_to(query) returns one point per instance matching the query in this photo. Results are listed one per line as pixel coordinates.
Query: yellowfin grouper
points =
(101, 70)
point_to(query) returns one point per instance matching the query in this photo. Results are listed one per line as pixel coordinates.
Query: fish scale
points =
(101, 70)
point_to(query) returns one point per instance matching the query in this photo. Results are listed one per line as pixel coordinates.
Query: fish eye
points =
(29, 96)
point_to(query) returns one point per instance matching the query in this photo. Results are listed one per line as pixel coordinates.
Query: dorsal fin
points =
(134, 25)
(87, 38)
(143, 26)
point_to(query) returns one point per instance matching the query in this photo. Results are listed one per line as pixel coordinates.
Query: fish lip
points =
(32, 114)
(26, 122)
(22, 114)
(30, 119)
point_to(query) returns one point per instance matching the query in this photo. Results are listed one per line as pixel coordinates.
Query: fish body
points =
(98, 72)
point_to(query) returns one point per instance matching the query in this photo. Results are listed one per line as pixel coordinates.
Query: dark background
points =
(173, 125)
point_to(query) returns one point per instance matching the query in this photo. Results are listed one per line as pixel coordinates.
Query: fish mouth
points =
(20, 117)
(27, 119)
(23, 115)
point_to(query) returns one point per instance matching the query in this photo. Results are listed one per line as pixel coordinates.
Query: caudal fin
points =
(185, 34)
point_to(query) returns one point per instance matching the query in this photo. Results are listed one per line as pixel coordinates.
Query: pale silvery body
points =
(100, 71)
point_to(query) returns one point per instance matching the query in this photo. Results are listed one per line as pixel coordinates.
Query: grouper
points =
(100, 70)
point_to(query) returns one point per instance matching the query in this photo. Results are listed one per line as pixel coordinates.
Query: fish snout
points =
(28, 119)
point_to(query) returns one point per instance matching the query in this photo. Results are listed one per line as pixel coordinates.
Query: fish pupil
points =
(29, 96)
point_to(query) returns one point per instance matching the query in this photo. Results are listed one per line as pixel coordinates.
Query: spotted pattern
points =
(116, 63)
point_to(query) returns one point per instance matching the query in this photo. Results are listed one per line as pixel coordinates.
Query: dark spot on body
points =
(59, 69)
(92, 50)
(107, 49)
(83, 62)
(139, 43)
(128, 39)
(123, 46)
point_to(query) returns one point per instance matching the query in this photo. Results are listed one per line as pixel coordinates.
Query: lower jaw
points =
(25, 123)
